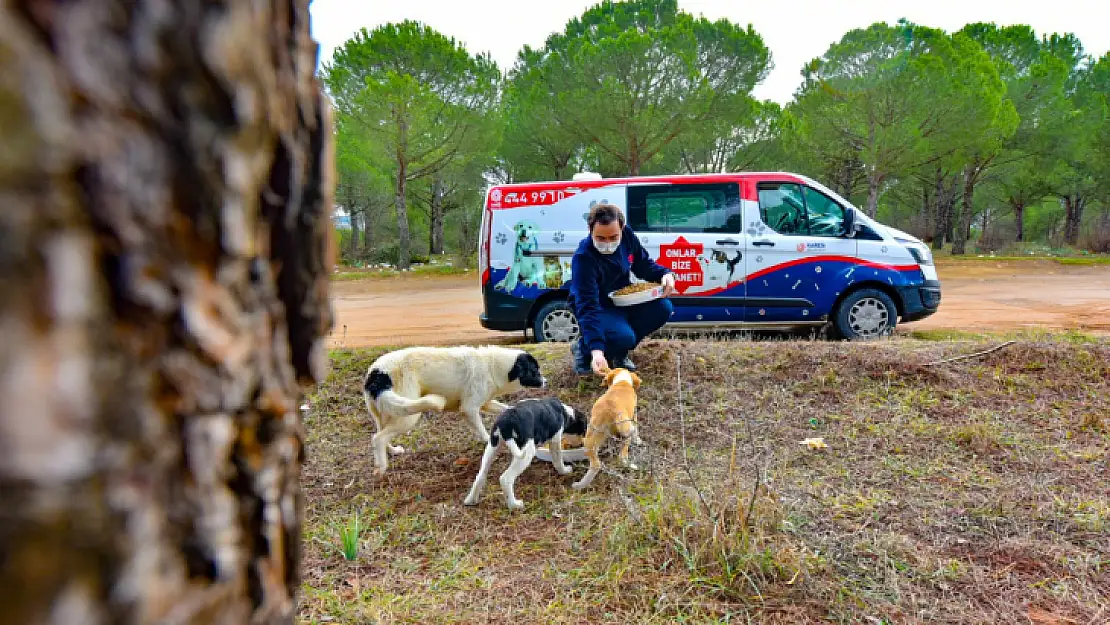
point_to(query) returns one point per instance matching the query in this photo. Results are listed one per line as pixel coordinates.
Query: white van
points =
(749, 250)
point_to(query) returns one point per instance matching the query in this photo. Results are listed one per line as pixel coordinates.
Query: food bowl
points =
(641, 292)
(575, 454)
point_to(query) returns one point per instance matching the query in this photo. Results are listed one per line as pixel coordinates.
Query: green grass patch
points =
(380, 274)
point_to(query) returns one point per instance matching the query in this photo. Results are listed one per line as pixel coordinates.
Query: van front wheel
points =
(866, 314)
(556, 323)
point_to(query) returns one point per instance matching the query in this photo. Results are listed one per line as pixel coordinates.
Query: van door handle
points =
(727, 242)
(763, 243)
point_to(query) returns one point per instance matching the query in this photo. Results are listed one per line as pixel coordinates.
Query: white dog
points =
(526, 270)
(402, 384)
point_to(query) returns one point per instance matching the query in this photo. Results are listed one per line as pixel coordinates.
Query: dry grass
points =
(973, 492)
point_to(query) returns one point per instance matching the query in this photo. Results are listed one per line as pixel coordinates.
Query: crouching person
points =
(602, 264)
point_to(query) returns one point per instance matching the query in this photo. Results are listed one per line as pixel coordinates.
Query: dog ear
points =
(635, 381)
(609, 375)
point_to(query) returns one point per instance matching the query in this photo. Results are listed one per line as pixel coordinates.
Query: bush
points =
(1098, 239)
(389, 254)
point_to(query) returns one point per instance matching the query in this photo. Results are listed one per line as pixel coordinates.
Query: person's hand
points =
(599, 364)
(668, 284)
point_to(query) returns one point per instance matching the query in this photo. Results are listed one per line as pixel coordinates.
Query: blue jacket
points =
(594, 275)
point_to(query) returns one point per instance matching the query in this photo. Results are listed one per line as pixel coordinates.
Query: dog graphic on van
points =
(526, 270)
(718, 268)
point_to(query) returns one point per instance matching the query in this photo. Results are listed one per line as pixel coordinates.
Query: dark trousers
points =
(624, 328)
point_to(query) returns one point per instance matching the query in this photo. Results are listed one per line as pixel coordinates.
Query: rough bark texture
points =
(165, 241)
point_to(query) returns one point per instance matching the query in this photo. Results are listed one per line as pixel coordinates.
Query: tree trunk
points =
(356, 232)
(469, 239)
(367, 230)
(872, 194)
(1073, 218)
(940, 210)
(1019, 218)
(963, 228)
(167, 196)
(435, 230)
(923, 214)
(404, 239)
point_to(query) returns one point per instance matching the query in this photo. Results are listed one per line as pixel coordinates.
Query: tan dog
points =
(613, 414)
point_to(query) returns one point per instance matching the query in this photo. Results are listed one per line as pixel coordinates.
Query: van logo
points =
(801, 247)
(495, 195)
(681, 257)
(811, 246)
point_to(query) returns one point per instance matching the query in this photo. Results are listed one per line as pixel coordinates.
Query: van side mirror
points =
(851, 227)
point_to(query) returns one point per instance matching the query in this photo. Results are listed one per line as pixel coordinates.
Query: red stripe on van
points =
(804, 261)
(842, 259)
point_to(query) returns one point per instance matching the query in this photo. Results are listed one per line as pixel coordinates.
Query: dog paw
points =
(396, 450)
(564, 470)
(516, 505)
(633, 466)
(578, 485)
(470, 501)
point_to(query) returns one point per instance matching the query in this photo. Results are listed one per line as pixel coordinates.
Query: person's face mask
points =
(607, 247)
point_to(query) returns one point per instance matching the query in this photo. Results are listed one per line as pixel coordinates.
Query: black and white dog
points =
(531, 422)
(405, 383)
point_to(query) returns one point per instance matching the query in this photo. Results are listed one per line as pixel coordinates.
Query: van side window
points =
(782, 207)
(685, 208)
(825, 216)
(791, 209)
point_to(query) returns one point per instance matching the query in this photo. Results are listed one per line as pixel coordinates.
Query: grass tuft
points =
(350, 535)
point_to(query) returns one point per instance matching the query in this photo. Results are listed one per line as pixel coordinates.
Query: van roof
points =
(673, 178)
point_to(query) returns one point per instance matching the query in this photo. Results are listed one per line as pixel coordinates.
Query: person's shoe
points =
(624, 363)
(581, 363)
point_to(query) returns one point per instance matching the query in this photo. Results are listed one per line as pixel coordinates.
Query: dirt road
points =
(439, 310)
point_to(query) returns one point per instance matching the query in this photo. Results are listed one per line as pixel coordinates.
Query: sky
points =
(795, 30)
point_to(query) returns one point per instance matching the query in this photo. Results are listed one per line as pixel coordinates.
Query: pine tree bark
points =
(165, 243)
(435, 231)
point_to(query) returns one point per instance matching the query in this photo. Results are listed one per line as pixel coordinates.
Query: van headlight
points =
(920, 253)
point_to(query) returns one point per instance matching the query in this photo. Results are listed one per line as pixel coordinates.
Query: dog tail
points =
(394, 403)
(378, 391)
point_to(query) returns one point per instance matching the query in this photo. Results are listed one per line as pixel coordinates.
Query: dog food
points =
(636, 288)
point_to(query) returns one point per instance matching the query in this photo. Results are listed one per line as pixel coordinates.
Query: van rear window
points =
(685, 208)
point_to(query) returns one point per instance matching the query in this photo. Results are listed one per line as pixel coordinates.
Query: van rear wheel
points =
(556, 323)
(866, 314)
